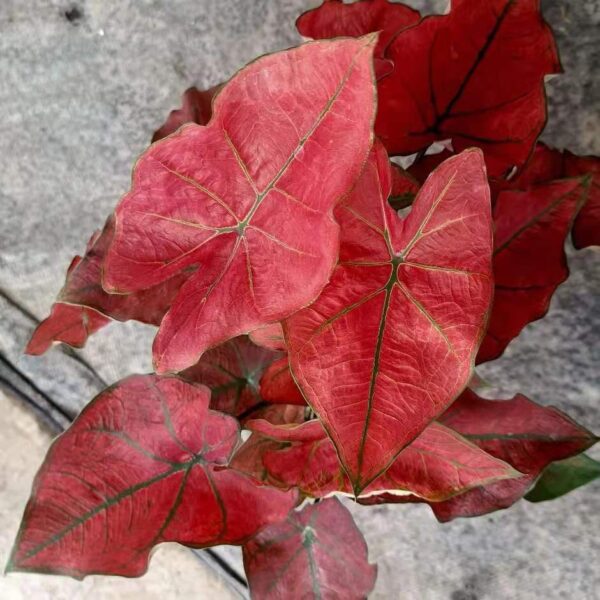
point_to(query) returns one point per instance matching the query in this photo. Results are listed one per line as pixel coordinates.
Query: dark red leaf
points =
(529, 257)
(278, 386)
(196, 107)
(141, 465)
(517, 431)
(391, 340)
(317, 552)
(68, 324)
(232, 371)
(586, 230)
(249, 197)
(437, 465)
(334, 18)
(269, 336)
(71, 320)
(475, 76)
(422, 168)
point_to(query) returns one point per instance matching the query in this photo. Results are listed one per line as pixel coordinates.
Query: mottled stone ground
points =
(84, 84)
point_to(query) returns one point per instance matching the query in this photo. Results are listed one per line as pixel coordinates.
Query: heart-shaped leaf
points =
(249, 197)
(564, 476)
(476, 76)
(437, 465)
(196, 107)
(529, 257)
(391, 340)
(517, 431)
(278, 386)
(233, 371)
(75, 314)
(335, 18)
(141, 465)
(317, 552)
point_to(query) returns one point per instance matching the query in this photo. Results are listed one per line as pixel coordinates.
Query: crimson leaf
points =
(529, 257)
(474, 75)
(248, 197)
(317, 552)
(232, 371)
(196, 107)
(278, 386)
(141, 465)
(391, 340)
(517, 431)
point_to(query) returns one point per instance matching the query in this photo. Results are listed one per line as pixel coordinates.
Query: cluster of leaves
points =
(294, 301)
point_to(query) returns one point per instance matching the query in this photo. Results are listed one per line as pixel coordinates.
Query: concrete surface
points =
(79, 99)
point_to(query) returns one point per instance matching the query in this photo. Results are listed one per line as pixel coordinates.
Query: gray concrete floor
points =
(78, 103)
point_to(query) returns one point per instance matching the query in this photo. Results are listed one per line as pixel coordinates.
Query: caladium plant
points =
(261, 235)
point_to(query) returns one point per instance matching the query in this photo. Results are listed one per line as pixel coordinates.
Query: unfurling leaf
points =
(476, 76)
(142, 464)
(74, 316)
(196, 107)
(391, 340)
(232, 371)
(317, 552)
(437, 465)
(529, 257)
(334, 18)
(278, 386)
(517, 431)
(248, 198)
(564, 476)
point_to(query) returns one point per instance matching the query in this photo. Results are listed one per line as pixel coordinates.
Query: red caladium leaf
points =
(269, 336)
(586, 230)
(233, 371)
(475, 76)
(248, 197)
(317, 552)
(422, 168)
(518, 431)
(391, 340)
(72, 321)
(196, 107)
(437, 465)
(68, 324)
(334, 18)
(278, 386)
(529, 257)
(141, 465)
(404, 188)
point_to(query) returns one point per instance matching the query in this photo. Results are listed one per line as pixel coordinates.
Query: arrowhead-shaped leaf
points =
(564, 476)
(529, 257)
(391, 340)
(248, 198)
(74, 316)
(317, 552)
(334, 18)
(517, 431)
(278, 386)
(475, 76)
(233, 372)
(141, 465)
(437, 465)
(196, 107)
